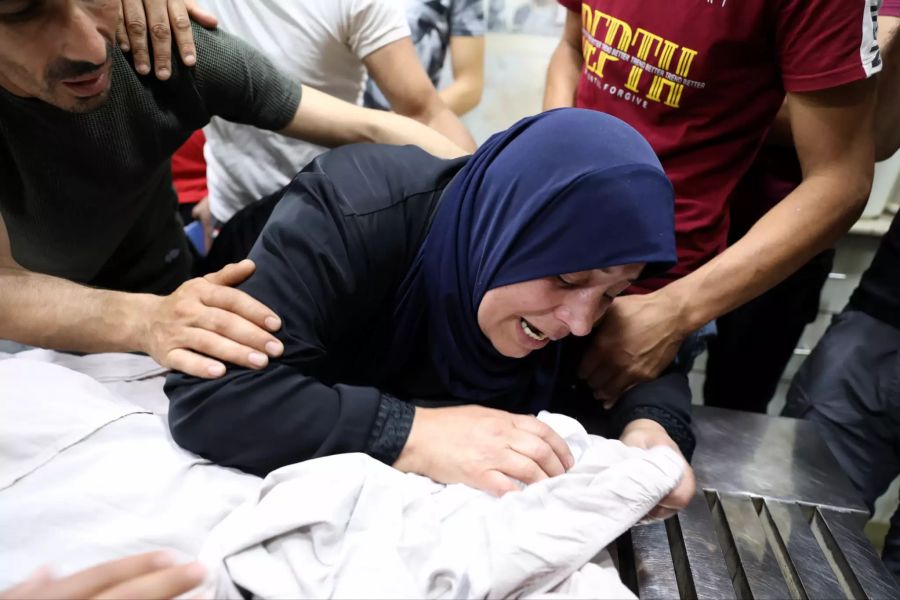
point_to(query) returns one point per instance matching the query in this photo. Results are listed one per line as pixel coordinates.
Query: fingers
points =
(121, 34)
(610, 391)
(594, 371)
(135, 27)
(201, 210)
(235, 301)
(93, 581)
(239, 330)
(184, 37)
(590, 362)
(193, 364)
(206, 19)
(35, 586)
(547, 434)
(160, 37)
(233, 274)
(520, 467)
(661, 512)
(538, 451)
(596, 379)
(166, 583)
(496, 483)
(226, 348)
(683, 493)
(150, 18)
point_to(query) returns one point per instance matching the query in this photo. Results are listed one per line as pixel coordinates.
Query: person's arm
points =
(343, 122)
(566, 63)
(204, 315)
(396, 70)
(238, 83)
(328, 121)
(833, 135)
(887, 111)
(467, 62)
(887, 108)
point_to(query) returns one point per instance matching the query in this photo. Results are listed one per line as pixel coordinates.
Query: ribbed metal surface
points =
(777, 518)
(749, 547)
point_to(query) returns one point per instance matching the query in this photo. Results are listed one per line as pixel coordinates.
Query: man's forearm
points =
(563, 74)
(439, 117)
(328, 121)
(391, 128)
(809, 220)
(832, 131)
(462, 95)
(45, 311)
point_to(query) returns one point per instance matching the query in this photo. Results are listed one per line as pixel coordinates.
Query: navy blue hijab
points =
(565, 191)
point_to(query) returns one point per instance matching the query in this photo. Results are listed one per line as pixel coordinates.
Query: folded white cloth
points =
(136, 377)
(350, 527)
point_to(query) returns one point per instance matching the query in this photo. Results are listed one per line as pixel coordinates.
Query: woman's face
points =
(526, 316)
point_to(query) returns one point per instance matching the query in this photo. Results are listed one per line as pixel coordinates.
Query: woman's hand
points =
(484, 448)
(150, 575)
(646, 433)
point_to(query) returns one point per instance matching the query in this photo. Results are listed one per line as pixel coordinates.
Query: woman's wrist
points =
(409, 460)
(646, 433)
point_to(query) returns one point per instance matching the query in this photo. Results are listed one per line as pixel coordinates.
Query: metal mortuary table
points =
(775, 518)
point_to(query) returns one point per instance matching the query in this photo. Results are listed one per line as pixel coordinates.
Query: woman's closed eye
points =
(561, 279)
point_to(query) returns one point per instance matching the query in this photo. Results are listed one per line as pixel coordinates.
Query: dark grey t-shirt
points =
(89, 197)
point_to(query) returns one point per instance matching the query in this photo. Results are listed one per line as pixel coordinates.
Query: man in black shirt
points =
(850, 384)
(86, 195)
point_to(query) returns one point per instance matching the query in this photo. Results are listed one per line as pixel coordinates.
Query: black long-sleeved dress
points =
(329, 262)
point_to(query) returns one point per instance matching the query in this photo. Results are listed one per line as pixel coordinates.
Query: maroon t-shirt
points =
(702, 80)
(775, 173)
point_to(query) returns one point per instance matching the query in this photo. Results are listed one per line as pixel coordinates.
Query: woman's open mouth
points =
(532, 331)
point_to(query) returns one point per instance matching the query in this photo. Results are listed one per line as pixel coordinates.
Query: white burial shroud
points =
(88, 473)
(350, 527)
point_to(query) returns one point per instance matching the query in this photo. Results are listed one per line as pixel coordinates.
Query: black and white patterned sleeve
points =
(467, 18)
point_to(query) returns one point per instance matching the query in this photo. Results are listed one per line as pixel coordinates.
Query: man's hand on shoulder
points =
(158, 19)
(206, 321)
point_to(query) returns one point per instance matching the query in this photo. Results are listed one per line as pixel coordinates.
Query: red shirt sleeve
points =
(890, 8)
(573, 5)
(189, 170)
(826, 43)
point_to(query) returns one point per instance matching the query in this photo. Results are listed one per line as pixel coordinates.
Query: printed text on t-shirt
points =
(645, 51)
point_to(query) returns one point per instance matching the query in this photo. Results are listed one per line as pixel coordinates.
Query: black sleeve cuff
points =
(677, 429)
(390, 430)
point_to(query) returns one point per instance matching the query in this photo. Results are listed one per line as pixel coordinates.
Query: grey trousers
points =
(850, 387)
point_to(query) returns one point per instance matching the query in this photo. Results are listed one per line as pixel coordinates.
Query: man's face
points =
(58, 51)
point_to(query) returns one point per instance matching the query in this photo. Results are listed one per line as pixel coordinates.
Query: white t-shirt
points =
(321, 43)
